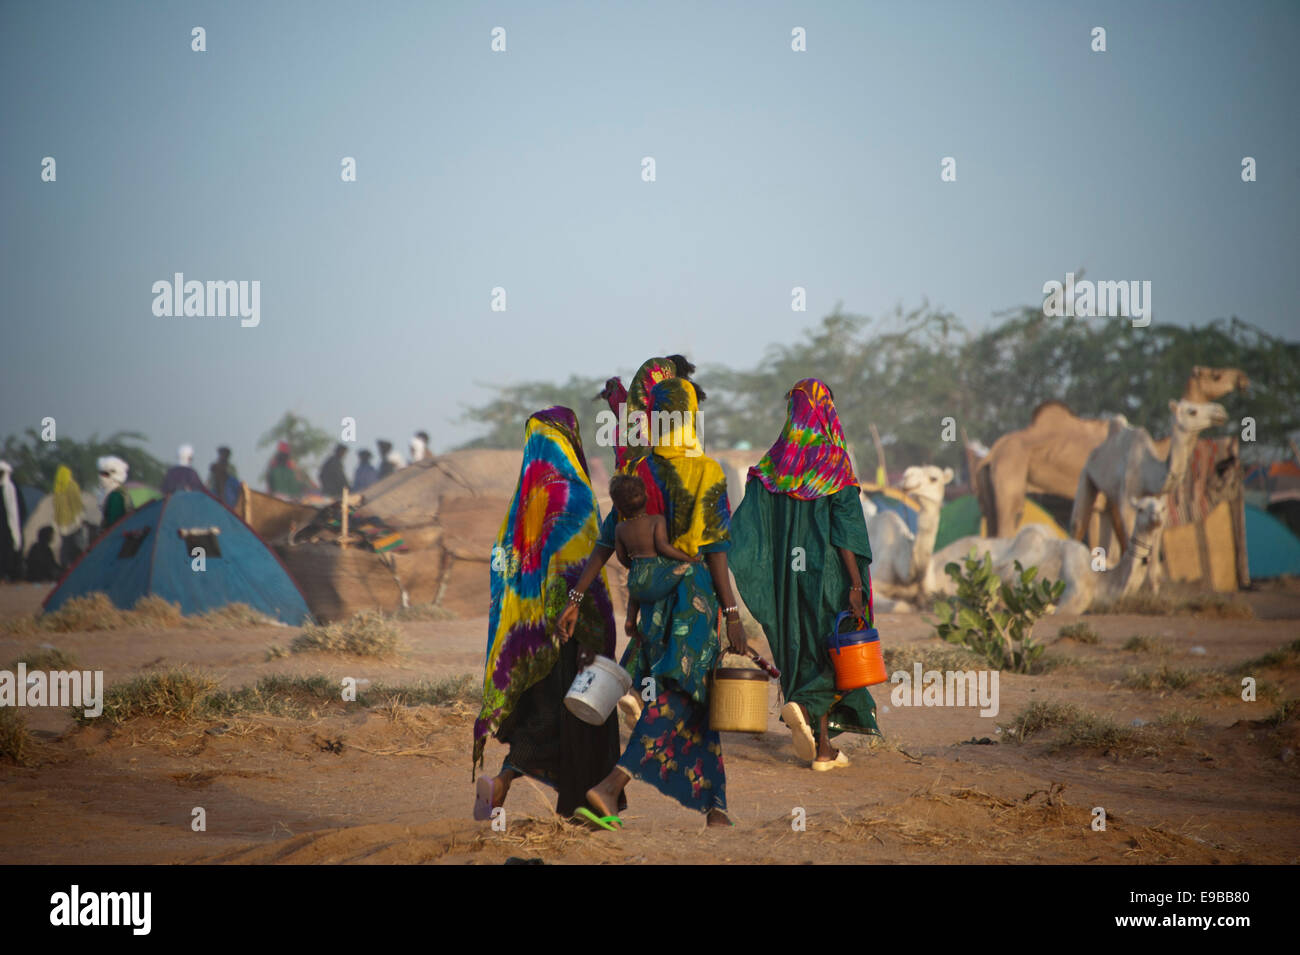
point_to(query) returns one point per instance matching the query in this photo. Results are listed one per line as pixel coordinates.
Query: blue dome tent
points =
(149, 552)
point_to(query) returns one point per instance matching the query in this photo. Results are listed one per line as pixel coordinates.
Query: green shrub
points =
(993, 619)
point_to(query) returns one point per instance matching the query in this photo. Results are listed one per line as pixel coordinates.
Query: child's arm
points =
(664, 547)
(629, 625)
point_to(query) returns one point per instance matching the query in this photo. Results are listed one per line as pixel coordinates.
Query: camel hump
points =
(1115, 424)
(1051, 406)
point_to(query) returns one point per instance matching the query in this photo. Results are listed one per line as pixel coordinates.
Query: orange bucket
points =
(856, 656)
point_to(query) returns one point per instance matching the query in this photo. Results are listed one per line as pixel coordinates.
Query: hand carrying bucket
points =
(596, 690)
(738, 695)
(856, 655)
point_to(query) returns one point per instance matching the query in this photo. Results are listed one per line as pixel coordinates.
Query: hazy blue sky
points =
(523, 170)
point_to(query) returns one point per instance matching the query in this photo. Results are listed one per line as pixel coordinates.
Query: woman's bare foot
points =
(718, 818)
(603, 798)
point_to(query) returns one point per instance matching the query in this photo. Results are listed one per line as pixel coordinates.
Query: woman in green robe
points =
(800, 555)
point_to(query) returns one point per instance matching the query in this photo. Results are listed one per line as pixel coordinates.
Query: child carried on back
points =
(655, 566)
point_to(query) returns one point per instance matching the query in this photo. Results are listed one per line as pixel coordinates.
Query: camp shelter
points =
(445, 510)
(273, 518)
(151, 551)
(961, 517)
(141, 494)
(43, 516)
(1270, 546)
(1205, 536)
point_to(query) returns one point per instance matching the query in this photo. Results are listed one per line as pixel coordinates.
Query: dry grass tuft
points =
(367, 634)
(465, 688)
(96, 611)
(1204, 683)
(1140, 643)
(1212, 605)
(16, 745)
(1284, 657)
(46, 658)
(1077, 728)
(936, 656)
(174, 695)
(1078, 632)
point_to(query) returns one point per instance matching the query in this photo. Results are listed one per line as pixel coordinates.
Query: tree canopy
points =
(908, 372)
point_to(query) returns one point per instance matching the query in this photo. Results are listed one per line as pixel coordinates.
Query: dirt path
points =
(1213, 783)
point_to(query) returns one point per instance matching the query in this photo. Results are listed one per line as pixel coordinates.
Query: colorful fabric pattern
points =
(678, 645)
(543, 544)
(635, 444)
(810, 459)
(673, 749)
(684, 485)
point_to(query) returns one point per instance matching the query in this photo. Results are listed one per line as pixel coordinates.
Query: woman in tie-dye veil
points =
(800, 556)
(544, 540)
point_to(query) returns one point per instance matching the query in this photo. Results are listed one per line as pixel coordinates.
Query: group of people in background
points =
(672, 526)
(285, 479)
(58, 544)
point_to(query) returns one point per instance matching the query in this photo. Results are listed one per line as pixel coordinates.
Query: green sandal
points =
(609, 823)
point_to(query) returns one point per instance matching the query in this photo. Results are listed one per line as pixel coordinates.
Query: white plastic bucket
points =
(596, 690)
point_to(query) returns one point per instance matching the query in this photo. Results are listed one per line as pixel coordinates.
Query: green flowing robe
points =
(791, 576)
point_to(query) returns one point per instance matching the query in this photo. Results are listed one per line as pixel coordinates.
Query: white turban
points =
(112, 472)
(185, 454)
(417, 448)
(9, 494)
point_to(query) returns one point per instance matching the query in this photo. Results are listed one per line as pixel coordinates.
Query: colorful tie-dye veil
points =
(543, 544)
(810, 459)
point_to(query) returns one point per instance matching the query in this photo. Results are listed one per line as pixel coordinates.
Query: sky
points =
(522, 170)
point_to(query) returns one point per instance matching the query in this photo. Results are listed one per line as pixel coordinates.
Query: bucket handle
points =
(764, 665)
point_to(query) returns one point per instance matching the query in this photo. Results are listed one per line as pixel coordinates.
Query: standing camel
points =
(1128, 465)
(1048, 456)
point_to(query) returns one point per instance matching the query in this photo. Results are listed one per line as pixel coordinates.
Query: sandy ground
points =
(393, 784)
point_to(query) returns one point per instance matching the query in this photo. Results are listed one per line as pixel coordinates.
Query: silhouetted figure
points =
(366, 474)
(332, 478)
(12, 516)
(182, 476)
(223, 480)
(41, 565)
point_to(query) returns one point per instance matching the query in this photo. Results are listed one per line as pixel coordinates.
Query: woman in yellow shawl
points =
(672, 746)
(550, 528)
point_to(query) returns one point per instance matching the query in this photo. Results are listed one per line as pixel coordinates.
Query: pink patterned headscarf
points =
(810, 459)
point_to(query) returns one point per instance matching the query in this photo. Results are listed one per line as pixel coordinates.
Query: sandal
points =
(824, 765)
(484, 790)
(608, 823)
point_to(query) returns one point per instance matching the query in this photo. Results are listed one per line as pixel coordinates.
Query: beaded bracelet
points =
(575, 596)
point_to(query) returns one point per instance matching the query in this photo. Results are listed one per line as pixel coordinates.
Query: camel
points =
(1048, 456)
(1128, 465)
(1068, 560)
(901, 559)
